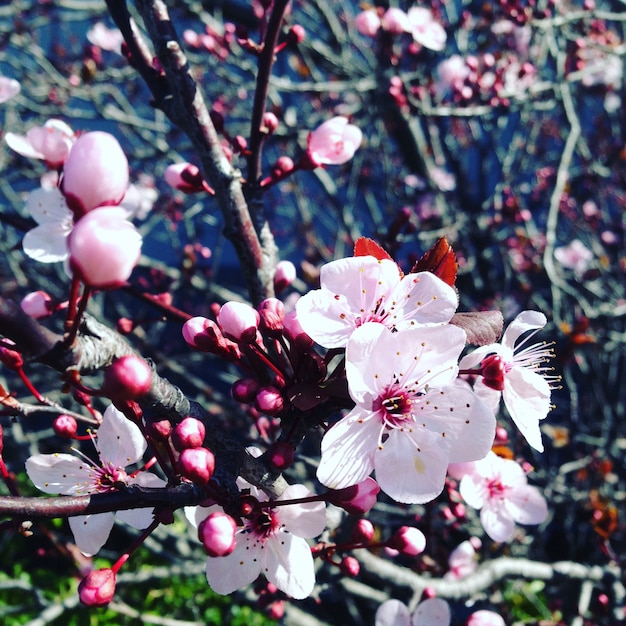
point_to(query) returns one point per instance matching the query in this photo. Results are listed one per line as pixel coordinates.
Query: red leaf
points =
(440, 260)
(368, 247)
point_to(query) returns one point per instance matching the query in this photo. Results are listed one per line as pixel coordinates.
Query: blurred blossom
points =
(367, 22)
(395, 21)
(575, 256)
(106, 38)
(444, 180)
(485, 618)
(462, 560)
(425, 29)
(140, 197)
(50, 143)
(334, 142)
(451, 74)
(9, 88)
(430, 612)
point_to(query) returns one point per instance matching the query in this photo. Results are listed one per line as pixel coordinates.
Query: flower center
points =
(496, 488)
(262, 525)
(396, 405)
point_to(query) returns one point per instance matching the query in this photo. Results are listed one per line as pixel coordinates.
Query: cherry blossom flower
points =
(425, 29)
(410, 420)
(395, 21)
(500, 489)
(430, 612)
(575, 256)
(462, 560)
(333, 143)
(47, 242)
(9, 88)
(50, 143)
(367, 22)
(272, 542)
(364, 289)
(119, 443)
(521, 379)
(106, 38)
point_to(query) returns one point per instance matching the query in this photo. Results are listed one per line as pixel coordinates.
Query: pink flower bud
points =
(161, 429)
(363, 531)
(270, 122)
(408, 540)
(395, 21)
(294, 330)
(188, 434)
(272, 314)
(37, 304)
(276, 610)
(245, 390)
(197, 464)
(65, 426)
(10, 357)
(97, 588)
(217, 534)
(185, 177)
(95, 173)
(332, 143)
(349, 566)
(238, 321)
(357, 499)
(104, 247)
(367, 22)
(297, 33)
(127, 378)
(493, 370)
(205, 335)
(285, 275)
(485, 618)
(269, 400)
(281, 455)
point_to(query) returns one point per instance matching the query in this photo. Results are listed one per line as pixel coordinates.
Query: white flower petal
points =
(137, 518)
(48, 206)
(347, 450)
(473, 490)
(497, 524)
(393, 613)
(46, 243)
(288, 564)
(432, 612)
(526, 396)
(120, 442)
(525, 321)
(59, 473)
(302, 520)
(238, 569)
(527, 505)
(22, 145)
(411, 468)
(91, 531)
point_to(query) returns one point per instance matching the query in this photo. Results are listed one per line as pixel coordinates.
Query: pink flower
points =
(95, 173)
(410, 420)
(425, 30)
(522, 385)
(485, 618)
(364, 289)
(238, 321)
(334, 142)
(500, 489)
(97, 588)
(367, 22)
(271, 541)
(9, 88)
(395, 21)
(451, 74)
(106, 38)
(47, 242)
(104, 247)
(430, 612)
(462, 560)
(50, 143)
(119, 443)
(575, 256)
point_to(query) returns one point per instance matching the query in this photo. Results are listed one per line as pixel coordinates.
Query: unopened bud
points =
(97, 588)
(281, 455)
(65, 426)
(238, 321)
(272, 314)
(297, 33)
(205, 335)
(408, 540)
(269, 400)
(37, 304)
(217, 534)
(188, 434)
(294, 331)
(363, 531)
(10, 357)
(184, 177)
(127, 378)
(285, 275)
(270, 122)
(244, 390)
(161, 429)
(349, 566)
(493, 369)
(197, 464)
(276, 610)
(357, 499)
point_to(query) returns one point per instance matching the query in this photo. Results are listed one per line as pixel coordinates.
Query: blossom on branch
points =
(425, 29)
(500, 489)
(119, 443)
(271, 541)
(362, 289)
(516, 374)
(51, 142)
(410, 420)
(333, 143)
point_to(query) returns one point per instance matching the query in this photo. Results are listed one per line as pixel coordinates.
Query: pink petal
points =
(432, 612)
(393, 613)
(496, 522)
(9, 88)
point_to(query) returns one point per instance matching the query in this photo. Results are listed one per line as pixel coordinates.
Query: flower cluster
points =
(81, 217)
